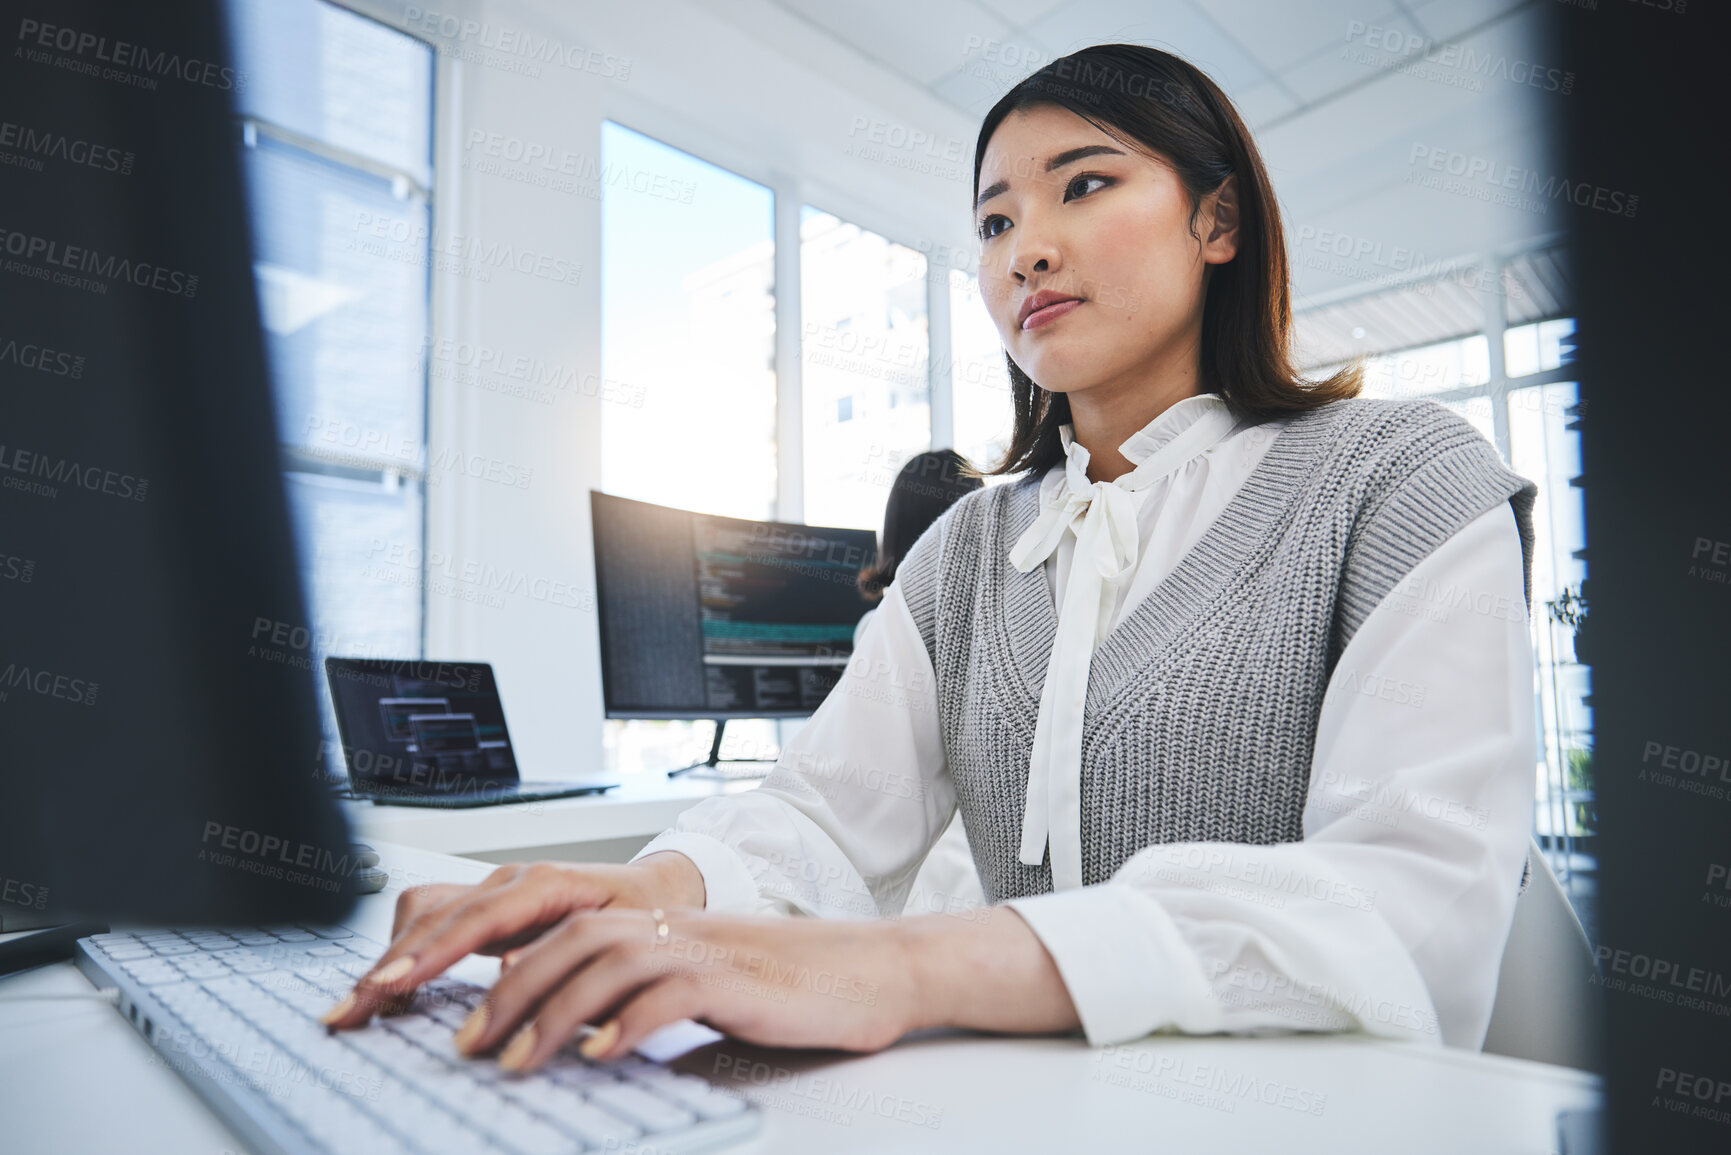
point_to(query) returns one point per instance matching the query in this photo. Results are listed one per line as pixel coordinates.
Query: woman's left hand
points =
(791, 982)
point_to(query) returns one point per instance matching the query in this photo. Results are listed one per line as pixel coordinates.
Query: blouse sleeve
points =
(1391, 913)
(853, 805)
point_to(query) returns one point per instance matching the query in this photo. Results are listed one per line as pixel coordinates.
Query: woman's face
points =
(1105, 224)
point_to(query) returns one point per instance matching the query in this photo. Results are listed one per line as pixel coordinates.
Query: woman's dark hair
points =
(926, 486)
(1153, 100)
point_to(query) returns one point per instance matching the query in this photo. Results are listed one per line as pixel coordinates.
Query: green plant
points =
(1578, 775)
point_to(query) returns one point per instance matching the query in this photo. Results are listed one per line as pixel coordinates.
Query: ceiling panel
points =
(1326, 71)
(924, 40)
(1174, 25)
(1021, 12)
(1446, 19)
(1280, 35)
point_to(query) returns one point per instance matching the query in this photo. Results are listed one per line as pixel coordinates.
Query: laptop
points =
(419, 733)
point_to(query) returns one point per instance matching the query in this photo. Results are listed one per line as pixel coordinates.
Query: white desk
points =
(597, 827)
(75, 1078)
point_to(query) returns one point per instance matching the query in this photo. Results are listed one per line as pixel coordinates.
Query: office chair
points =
(1546, 1008)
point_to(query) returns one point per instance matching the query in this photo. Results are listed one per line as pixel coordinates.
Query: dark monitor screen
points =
(719, 617)
(417, 726)
(159, 765)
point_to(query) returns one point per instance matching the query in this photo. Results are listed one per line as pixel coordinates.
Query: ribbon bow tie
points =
(1103, 515)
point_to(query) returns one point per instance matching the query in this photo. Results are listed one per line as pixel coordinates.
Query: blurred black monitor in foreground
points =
(159, 764)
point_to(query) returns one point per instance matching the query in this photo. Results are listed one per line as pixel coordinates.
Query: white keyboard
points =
(236, 1012)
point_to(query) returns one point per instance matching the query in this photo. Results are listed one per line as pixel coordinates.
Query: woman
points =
(1232, 689)
(925, 487)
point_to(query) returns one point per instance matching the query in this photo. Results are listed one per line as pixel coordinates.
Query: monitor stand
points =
(712, 767)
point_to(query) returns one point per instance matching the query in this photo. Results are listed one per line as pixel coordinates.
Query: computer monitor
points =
(719, 617)
(159, 758)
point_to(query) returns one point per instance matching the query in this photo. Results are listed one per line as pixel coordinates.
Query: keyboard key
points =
(166, 948)
(693, 1093)
(330, 931)
(297, 936)
(649, 1112)
(517, 1128)
(127, 953)
(327, 952)
(568, 1109)
(200, 966)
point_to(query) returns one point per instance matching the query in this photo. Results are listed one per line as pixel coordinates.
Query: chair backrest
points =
(1546, 1007)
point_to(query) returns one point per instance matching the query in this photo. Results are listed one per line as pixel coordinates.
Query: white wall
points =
(700, 85)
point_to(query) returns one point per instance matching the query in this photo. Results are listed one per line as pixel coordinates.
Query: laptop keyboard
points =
(246, 1002)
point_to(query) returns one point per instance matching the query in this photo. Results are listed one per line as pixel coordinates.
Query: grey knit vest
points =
(1201, 711)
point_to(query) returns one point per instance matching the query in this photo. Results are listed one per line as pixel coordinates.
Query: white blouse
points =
(1389, 915)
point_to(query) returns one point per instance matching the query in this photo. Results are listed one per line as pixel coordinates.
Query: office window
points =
(1546, 447)
(1462, 363)
(336, 141)
(863, 312)
(1529, 349)
(981, 410)
(688, 347)
(687, 330)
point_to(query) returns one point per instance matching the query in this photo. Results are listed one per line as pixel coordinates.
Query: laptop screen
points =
(420, 727)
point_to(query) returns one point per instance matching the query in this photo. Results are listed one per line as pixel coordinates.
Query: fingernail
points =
(597, 1044)
(473, 1028)
(508, 960)
(517, 1053)
(394, 971)
(342, 1008)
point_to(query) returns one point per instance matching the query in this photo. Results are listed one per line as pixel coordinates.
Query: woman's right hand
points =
(440, 924)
